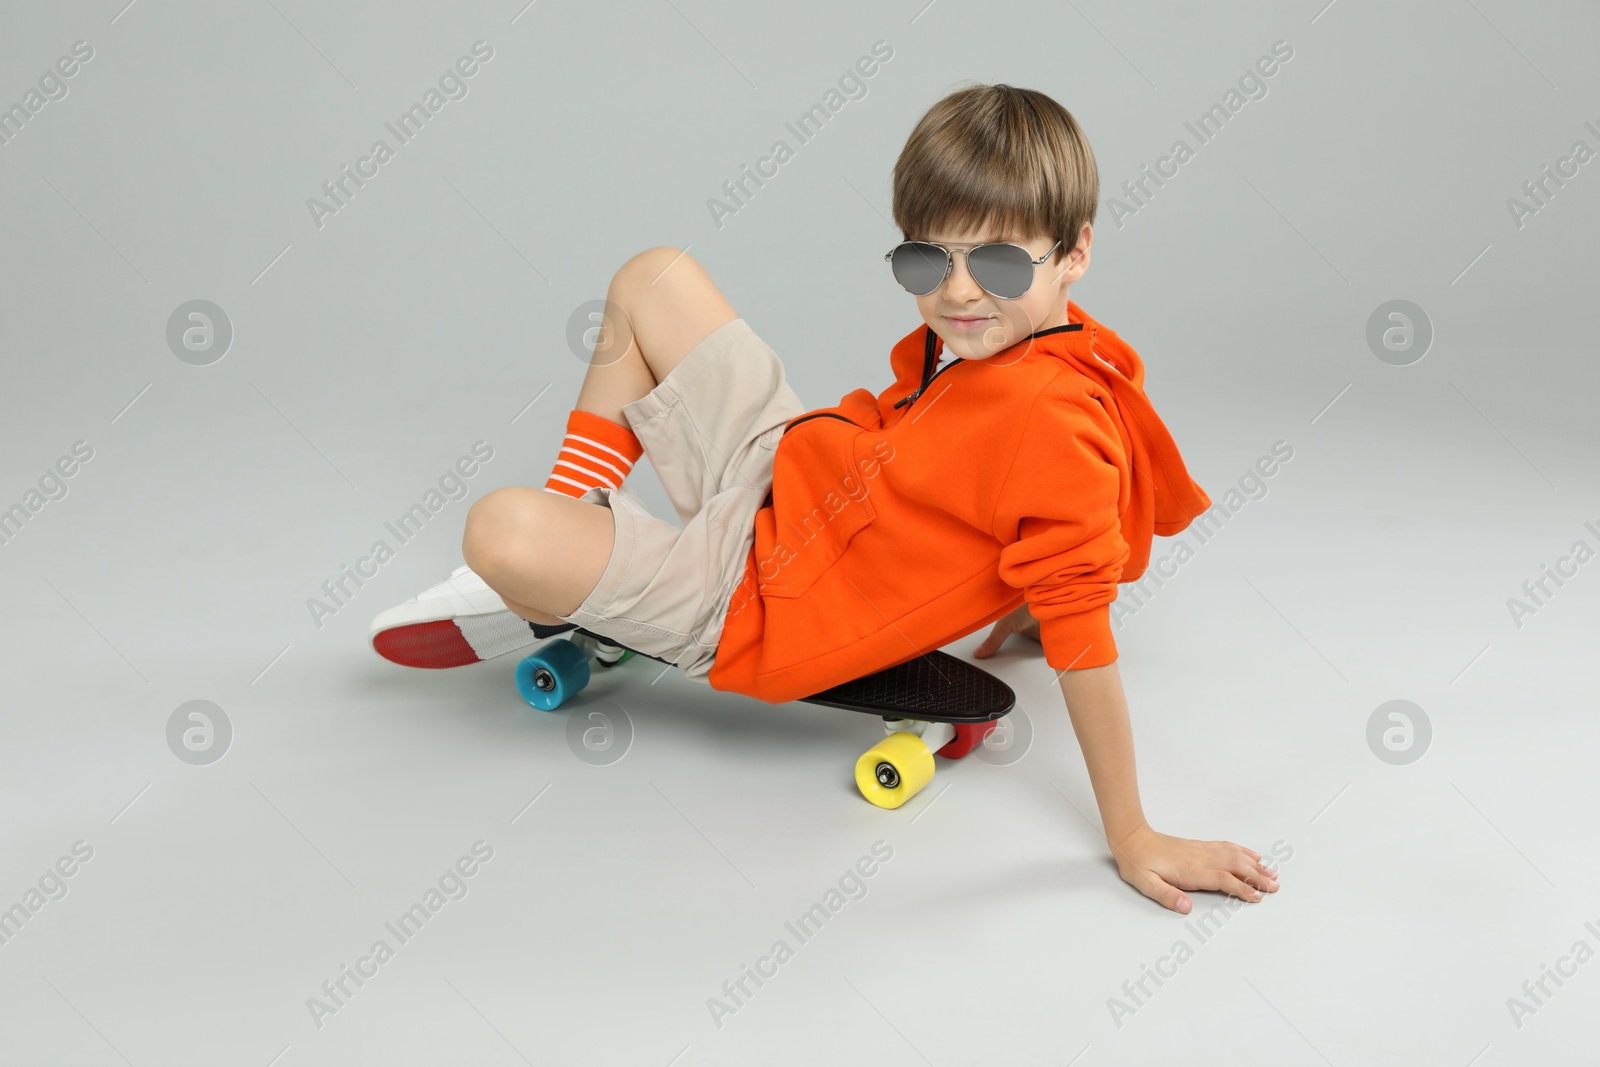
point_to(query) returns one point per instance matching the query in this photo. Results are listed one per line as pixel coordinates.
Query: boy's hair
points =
(995, 156)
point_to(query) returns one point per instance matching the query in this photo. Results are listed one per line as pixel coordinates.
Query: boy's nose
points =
(960, 284)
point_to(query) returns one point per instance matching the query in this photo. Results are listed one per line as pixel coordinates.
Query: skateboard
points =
(933, 705)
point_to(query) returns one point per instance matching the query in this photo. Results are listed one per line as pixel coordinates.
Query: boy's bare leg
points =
(661, 304)
(545, 552)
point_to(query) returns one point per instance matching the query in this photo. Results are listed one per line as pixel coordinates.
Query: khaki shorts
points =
(710, 429)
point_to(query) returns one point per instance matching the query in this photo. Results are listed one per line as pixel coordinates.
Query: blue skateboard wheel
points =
(548, 677)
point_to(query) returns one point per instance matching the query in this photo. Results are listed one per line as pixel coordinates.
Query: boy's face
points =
(975, 324)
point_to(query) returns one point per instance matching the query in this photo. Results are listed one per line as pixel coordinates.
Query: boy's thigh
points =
(713, 423)
(670, 304)
(665, 590)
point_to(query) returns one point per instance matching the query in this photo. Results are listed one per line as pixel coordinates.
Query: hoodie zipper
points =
(924, 386)
(819, 415)
(927, 365)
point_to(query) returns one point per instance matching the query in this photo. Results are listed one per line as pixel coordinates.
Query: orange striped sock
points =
(596, 451)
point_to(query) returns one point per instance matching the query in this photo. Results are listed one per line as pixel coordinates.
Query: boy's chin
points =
(975, 346)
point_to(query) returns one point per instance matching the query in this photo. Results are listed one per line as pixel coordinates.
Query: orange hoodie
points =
(899, 523)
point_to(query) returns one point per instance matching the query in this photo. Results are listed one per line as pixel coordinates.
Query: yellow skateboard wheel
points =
(894, 770)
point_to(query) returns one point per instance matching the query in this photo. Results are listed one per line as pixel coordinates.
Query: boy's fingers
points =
(990, 643)
(1238, 887)
(1245, 872)
(1152, 885)
(1168, 896)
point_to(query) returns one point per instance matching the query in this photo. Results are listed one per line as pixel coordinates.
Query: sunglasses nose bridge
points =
(965, 269)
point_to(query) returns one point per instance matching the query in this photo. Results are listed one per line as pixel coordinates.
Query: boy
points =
(1013, 474)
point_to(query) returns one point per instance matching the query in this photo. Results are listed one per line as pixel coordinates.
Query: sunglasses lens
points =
(1003, 270)
(919, 267)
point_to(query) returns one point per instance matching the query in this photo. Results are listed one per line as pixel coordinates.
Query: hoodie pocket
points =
(820, 502)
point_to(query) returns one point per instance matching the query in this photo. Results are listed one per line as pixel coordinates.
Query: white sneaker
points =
(451, 624)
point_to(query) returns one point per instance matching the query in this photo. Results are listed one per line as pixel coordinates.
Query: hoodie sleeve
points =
(1057, 519)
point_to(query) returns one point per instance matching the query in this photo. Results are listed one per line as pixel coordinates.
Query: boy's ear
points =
(1078, 257)
(1085, 239)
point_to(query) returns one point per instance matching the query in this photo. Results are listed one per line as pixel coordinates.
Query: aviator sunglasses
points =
(1001, 269)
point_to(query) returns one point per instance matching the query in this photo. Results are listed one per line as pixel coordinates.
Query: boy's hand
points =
(1020, 621)
(1159, 865)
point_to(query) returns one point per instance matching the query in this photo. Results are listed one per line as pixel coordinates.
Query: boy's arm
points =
(1156, 864)
(1058, 521)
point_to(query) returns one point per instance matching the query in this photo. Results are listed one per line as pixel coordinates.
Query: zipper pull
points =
(927, 364)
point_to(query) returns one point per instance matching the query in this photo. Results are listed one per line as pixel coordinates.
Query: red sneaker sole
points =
(435, 645)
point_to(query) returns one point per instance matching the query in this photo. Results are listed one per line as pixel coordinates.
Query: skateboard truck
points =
(935, 735)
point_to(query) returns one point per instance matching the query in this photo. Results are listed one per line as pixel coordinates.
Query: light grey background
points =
(369, 354)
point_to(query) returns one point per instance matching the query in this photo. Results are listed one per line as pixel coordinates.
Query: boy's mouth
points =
(966, 323)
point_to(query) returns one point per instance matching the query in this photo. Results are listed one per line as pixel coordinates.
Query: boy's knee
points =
(496, 522)
(476, 540)
(651, 266)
